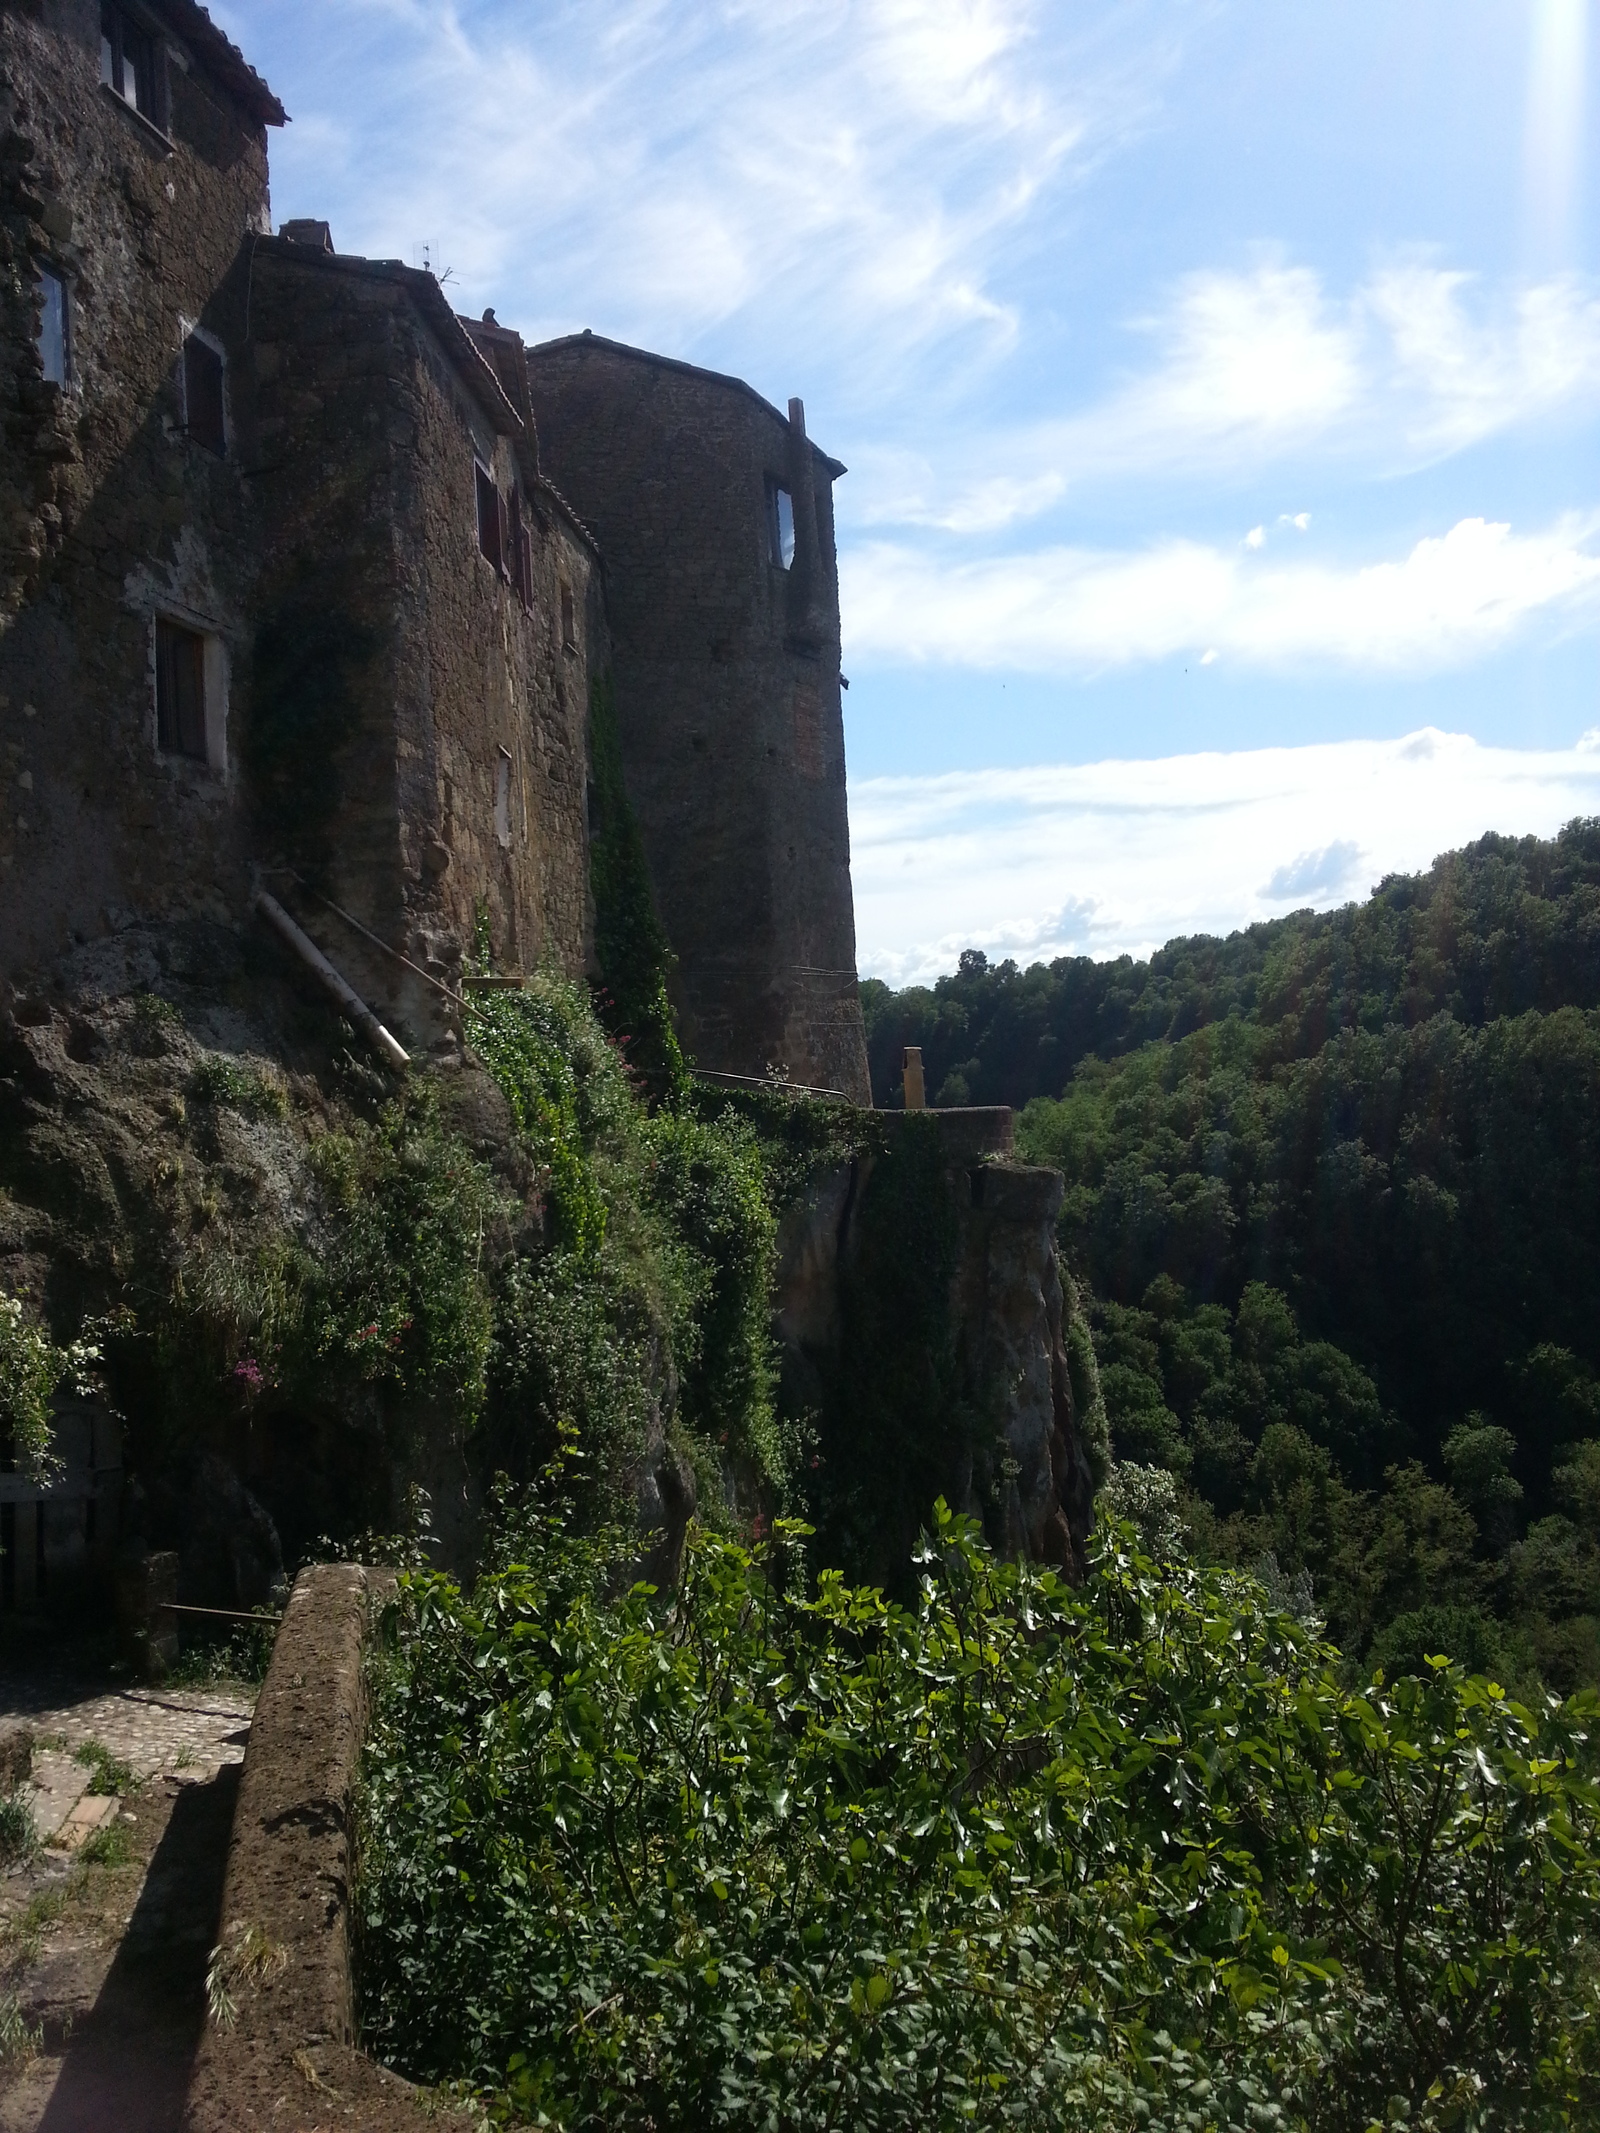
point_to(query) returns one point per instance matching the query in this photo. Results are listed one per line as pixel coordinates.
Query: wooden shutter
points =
(180, 691)
(488, 517)
(202, 395)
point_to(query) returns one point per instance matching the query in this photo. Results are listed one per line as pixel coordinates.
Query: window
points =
(489, 542)
(202, 395)
(520, 542)
(502, 800)
(569, 627)
(128, 63)
(54, 348)
(780, 524)
(180, 691)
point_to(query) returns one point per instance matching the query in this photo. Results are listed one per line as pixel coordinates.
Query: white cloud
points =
(1265, 367)
(1256, 362)
(849, 167)
(1453, 379)
(1117, 857)
(1313, 875)
(1452, 598)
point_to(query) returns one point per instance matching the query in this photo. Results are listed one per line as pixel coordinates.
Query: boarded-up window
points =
(808, 750)
(489, 543)
(180, 690)
(54, 350)
(202, 395)
(569, 624)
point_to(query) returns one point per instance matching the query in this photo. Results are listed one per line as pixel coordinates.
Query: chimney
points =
(308, 231)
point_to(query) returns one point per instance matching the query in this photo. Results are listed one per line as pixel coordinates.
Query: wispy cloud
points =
(1265, 368)
(1452, 597)
(849, 166)
(1116, 857)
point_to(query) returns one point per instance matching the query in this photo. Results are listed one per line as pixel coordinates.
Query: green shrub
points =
(568, 1094)
(20, 2039)
(401, 1296)
(1012, 1855)
(112, 1776)
(18, 1837)
(220, 1080)
(32, 1369)
(156, 1022)
(705, 1177)
(662, 1260)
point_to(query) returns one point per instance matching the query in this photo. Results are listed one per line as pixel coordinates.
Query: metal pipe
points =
(388, 1048)
(377, 941)
(755, 1081)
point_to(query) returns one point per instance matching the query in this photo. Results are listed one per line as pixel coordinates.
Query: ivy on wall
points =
(631, 945)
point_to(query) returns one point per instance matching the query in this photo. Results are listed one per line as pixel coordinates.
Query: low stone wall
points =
(288, 2061)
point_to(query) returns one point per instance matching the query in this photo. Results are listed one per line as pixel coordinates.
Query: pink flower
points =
(250, 1374)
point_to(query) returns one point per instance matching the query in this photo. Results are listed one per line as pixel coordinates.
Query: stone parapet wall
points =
(289, 2060)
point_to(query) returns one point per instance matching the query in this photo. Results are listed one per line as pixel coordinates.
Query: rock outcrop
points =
(930, 1236)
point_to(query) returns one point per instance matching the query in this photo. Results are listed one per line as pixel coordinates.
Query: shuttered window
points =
(489, 542)
(202, 395)
(180, 690)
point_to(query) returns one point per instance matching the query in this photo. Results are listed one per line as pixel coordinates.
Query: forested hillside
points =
(1335, 1185)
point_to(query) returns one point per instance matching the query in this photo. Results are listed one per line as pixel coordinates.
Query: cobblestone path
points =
(106, 1955)
(198, 1730)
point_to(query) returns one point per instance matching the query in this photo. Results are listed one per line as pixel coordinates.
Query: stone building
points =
(286, 592)
(715, 515)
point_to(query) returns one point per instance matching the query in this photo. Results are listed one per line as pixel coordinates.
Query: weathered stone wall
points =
(727, 693)
(392, 720)
(106, 508)
(417, 729)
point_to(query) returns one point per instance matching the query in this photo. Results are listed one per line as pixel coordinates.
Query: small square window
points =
(55, 351)
(180, 690)
(569, 624)
(489, 543)
(780, 524)
(203, 419)
(129, 63)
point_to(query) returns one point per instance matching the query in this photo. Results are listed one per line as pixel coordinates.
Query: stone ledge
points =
(290, 2061)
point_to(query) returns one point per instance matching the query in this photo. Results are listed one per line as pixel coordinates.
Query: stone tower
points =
(714, 518)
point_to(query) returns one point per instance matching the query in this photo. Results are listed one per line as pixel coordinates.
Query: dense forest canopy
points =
(1335, 1185)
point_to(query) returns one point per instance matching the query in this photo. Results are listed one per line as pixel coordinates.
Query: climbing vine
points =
(631, 945)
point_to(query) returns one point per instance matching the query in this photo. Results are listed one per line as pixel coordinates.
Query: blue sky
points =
(1219, 382)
